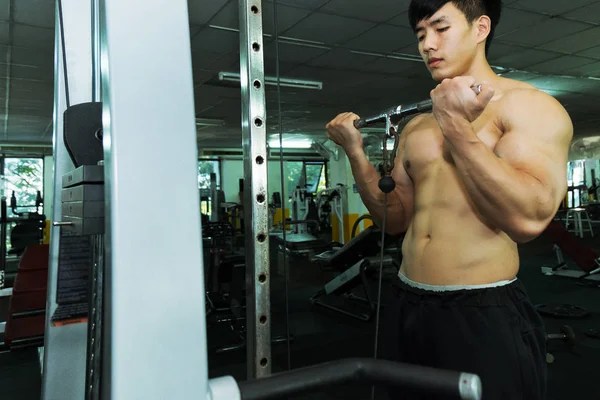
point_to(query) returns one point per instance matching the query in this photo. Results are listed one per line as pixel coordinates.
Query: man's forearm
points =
(366, 178)
(367, 182)
(512, 200)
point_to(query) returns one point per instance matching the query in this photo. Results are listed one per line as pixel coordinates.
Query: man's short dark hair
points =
(472, 9)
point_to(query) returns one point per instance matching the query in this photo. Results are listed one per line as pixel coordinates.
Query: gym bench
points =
(586, 259)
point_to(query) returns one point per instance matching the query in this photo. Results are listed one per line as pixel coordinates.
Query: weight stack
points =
(81, 259)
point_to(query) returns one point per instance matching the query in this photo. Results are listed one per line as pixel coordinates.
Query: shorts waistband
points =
(450, 288)
(494, 294)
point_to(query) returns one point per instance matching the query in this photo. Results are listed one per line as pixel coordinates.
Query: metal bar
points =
(214, 198)
(398, 113)
(96, 72)
(28, 313)
(258, 309)
(3, 223)
(95, 316)
(450, 384)
(65, 346)
(143, 312)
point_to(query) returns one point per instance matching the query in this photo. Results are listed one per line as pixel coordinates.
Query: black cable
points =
(380, 279)
(64, 52)
(358, 221)
(285, 267)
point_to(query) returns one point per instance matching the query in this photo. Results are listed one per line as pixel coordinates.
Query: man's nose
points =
(429, 43)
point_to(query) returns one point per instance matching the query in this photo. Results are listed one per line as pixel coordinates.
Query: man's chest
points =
(426, 145)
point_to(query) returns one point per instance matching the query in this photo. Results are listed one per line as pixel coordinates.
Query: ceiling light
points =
(291, 143)
(270, 80)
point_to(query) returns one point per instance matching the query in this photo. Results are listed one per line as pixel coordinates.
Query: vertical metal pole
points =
(95, 324)
(3, 224)
(94, 350)
(154, 325)
(214, 199)
(96, 73)
(258, 304)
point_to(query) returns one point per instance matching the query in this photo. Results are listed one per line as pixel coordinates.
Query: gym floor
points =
(320, 335)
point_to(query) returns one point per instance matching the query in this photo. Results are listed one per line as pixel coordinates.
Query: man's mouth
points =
(434, 62)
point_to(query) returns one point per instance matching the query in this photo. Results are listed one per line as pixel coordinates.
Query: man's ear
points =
(483, 26)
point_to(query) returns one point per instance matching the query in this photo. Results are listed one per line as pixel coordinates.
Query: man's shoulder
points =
(524, 104)
(521, 98)
(515, 93)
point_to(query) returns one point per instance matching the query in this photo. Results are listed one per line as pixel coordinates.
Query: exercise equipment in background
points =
(356, 262)
(330, 206)
(28, 229)
(586, 259)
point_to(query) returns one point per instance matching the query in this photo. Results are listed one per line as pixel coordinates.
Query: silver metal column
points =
(95, 320)
(155, 337)
(96, 73)
(93, 382)
(214, 199)
(65, 346)
(258, 304)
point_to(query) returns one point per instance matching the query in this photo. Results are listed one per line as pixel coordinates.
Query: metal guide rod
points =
(96, 73)
(94, 349)
(254, 140)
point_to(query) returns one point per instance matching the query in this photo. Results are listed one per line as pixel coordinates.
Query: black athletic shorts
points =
(492, 331)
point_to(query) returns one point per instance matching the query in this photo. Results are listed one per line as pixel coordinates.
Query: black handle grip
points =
(425, 106)
(359, 123)
(400, 112)
(412, 377)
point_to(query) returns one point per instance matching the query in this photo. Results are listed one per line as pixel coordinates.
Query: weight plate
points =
(561, 310)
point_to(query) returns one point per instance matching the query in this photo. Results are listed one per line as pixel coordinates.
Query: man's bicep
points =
(537, 142)
(401, 165)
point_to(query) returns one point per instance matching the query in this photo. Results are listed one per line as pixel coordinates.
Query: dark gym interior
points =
(364, 55)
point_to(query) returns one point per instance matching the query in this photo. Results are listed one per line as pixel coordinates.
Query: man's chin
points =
(439, 75)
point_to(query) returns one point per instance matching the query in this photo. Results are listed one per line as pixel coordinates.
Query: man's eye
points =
(443, 29)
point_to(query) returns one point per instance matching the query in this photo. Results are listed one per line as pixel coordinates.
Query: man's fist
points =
(342, 131)
(455, 98)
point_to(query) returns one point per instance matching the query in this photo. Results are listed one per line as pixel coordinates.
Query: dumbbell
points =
(566, 334)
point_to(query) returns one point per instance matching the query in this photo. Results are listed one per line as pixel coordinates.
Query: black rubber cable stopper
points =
(386, 184)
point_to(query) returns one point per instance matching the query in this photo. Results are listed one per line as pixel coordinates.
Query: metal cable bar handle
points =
(412, 377)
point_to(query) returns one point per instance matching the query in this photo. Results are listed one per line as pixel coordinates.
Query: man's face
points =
(446, 43)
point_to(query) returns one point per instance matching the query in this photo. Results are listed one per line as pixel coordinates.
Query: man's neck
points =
(481, 70)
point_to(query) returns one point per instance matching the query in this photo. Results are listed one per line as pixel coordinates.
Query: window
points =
(205, 169)
(316, 179)
(309, 175)
(293, 171)
(576, 173)
(24, 177)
